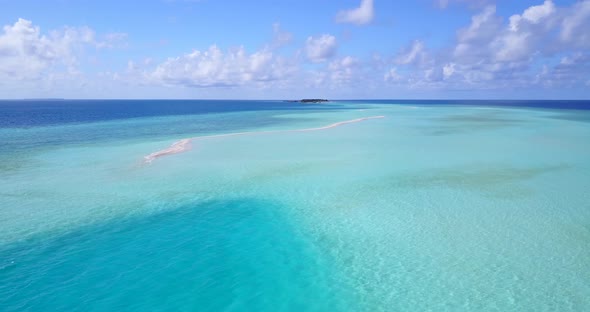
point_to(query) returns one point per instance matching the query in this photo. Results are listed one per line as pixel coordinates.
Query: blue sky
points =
(275, 49)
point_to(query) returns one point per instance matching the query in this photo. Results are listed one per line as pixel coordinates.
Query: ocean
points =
(381, 205)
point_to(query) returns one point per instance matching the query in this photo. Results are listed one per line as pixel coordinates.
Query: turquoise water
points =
(434, 207)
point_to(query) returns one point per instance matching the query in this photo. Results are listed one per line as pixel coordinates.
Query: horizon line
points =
(238, 99)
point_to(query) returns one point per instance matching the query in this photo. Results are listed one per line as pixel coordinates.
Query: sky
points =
(292, 49)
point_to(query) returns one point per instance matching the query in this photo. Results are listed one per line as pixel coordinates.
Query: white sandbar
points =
(185, 144)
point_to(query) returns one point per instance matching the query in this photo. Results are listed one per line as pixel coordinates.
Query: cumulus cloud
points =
(492, 52)
(220, 68)
(320, 49)
(216, 68)
(472, 41)
(362, 15)
(25, 52)
(541, 29)
(534, 14)
(28, 55)
(575, 25)
(543, 45)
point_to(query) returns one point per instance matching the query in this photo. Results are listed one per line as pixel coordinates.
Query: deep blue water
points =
(35, 113)
(27, 125)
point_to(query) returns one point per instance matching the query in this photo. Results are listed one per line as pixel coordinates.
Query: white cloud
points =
(513, 47)
(25, 52)
(215, 68)
(493, 53)
(571, 71)
(536, 13)
(415, 54)
(320, 49)
(342, 73)
(533, 15)
(362, 15)
(345, 62)
(484, 27)
(526, 33)
(344, 70)
(488, 43)
(543, 45)
(392, 75)
(448, 70)
(541, 29)
(575, 25)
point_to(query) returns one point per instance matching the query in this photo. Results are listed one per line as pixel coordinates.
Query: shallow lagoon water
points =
(434, 207)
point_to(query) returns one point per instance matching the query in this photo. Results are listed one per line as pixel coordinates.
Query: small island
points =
(310, 101)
